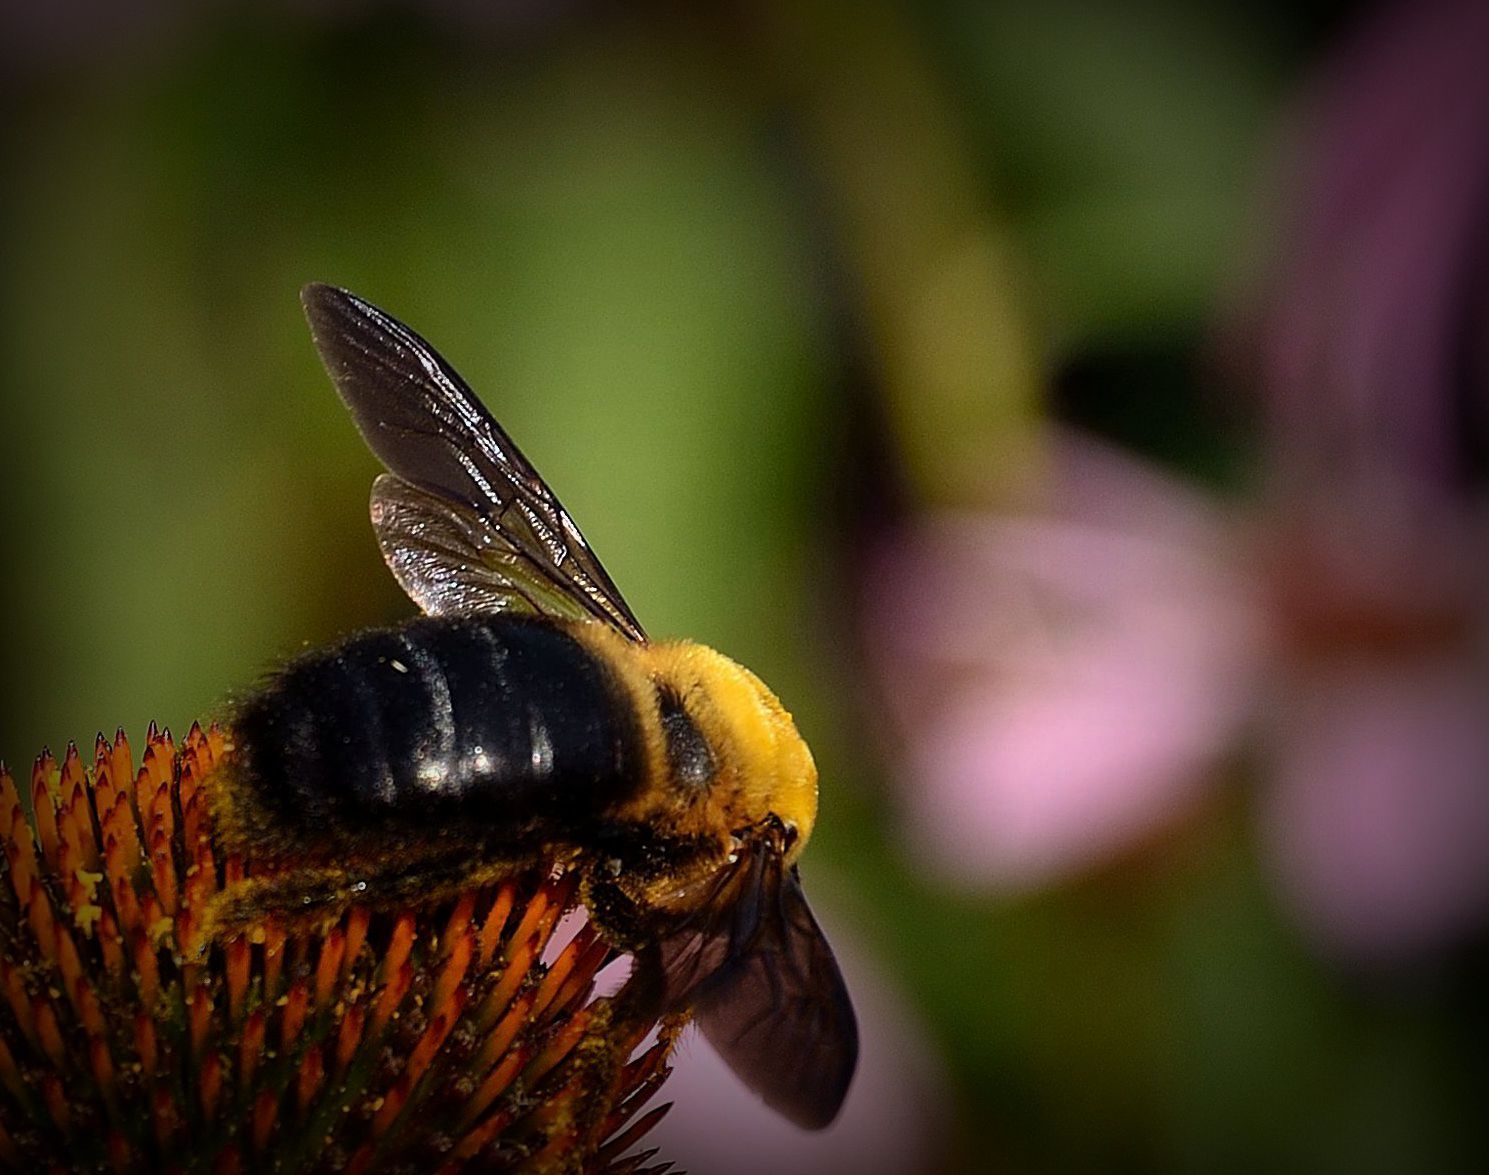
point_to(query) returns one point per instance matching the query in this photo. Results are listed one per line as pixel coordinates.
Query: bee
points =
(526, 717)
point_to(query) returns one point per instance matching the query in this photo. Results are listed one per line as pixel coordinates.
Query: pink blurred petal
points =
(1378, 816)
(1372, 293)
(896, 1120)
(1027, 783)
(1367, 341)
(1064, 676)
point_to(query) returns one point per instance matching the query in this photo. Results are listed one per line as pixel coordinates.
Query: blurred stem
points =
(942, 302)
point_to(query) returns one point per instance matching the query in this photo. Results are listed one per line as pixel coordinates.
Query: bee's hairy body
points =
(529, 735)
(527, 722)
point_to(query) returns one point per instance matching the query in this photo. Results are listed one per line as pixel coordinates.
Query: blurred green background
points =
(743, 280)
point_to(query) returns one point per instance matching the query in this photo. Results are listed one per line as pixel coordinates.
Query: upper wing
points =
(767, 992)
(466, 524)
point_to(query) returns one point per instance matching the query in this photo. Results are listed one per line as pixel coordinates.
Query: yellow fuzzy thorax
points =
(765, 767)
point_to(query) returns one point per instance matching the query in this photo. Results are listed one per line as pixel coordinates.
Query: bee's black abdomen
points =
(506, 721)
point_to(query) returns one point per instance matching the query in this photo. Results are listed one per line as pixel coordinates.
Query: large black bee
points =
(527, 717)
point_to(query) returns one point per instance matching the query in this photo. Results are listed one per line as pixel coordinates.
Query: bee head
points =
(762, 770)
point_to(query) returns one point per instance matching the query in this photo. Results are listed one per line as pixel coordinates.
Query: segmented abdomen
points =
(504, 720)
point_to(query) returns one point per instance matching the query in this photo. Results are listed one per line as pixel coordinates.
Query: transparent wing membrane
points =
(465, 522)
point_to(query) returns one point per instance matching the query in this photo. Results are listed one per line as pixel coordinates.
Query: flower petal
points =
(1378, 816)
(1064, 675)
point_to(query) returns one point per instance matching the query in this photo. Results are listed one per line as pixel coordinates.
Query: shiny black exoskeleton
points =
(503, 721)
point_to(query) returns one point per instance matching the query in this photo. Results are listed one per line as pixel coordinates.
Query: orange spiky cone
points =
(422, 1039)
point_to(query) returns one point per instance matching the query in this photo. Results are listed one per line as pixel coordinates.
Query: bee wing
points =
(768, 994)
(444, 556)
(466, 524)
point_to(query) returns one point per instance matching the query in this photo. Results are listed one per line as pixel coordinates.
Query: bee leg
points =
(310, 893)
(297, 895)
